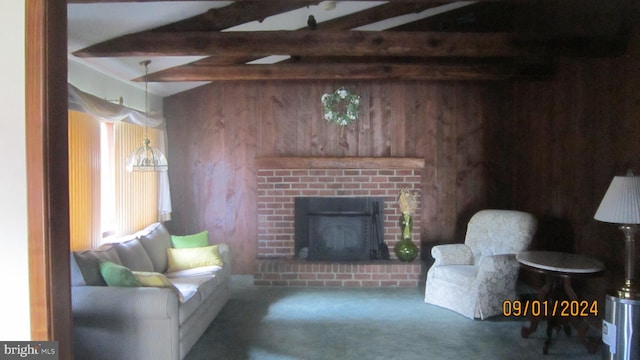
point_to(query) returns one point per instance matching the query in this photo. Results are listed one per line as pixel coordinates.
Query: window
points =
(107, 181)
(106, 201)
(84, 181)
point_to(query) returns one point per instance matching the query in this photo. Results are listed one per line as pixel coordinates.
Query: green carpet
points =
(382, 323)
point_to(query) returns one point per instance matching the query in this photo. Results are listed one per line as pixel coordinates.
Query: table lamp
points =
(621, 205)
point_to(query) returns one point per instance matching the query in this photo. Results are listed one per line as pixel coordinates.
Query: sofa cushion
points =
(89, 263)
(205, 287)
(156, 279)
(76, 274)
(133, 255)
(191, 303)
(156, 239)
(200, 239)
(117, 275)
(189, 258)
(186, 290)
(206, 284)
(198, 271)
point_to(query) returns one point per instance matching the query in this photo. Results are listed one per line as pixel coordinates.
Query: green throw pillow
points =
(117, 275)
(200, 239)
(183, 259)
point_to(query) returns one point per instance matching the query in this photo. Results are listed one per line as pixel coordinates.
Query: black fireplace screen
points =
(338, 229)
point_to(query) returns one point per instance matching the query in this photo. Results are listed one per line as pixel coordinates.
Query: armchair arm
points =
(450, 254)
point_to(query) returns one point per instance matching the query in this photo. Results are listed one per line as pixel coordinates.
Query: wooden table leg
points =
(584, 325)
(554, 289)
(553, 322)
(542, 296)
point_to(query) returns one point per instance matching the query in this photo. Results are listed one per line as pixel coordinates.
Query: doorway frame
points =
(46, 103)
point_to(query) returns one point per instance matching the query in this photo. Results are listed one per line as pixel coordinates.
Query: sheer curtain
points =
(113, 113)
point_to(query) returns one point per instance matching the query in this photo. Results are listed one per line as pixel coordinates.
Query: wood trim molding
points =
(39, 286)
(47, 173)
(339, 163)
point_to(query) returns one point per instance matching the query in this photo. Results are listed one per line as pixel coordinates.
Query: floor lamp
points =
(621, 205)
(620, 335)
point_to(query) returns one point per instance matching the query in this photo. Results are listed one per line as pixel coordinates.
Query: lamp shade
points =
(147, 158)
(621, 202)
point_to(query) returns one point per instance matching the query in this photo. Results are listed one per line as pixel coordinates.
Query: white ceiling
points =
(89, 24)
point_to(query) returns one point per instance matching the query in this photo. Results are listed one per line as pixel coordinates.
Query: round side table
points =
(560, 300)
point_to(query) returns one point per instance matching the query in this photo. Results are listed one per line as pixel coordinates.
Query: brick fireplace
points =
(282, 179)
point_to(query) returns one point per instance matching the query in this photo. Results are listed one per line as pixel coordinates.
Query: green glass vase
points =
(405, 249)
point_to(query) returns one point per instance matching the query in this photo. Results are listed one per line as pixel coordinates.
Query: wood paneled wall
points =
(217, 130)
(568, 138)
(549, 147)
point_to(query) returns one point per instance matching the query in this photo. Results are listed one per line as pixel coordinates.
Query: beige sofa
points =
(138, 323)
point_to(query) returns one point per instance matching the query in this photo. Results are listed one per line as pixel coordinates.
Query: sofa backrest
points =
(85, 265)
(133, 255)
(146, 250)
(156, 240)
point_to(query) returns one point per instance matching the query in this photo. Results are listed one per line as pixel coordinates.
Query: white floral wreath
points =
(341, 107)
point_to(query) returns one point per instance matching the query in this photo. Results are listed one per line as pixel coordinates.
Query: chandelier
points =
(146, 157)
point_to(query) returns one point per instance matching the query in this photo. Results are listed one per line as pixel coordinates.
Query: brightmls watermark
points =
(45, 350)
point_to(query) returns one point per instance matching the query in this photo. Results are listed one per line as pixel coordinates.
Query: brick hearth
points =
(295, 272)
(281, 180)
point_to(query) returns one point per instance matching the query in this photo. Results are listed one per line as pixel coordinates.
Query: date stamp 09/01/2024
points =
(550, 308)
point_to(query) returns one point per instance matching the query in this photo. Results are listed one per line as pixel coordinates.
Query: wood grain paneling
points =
(218, 130)
(567, 139)
(548, 147)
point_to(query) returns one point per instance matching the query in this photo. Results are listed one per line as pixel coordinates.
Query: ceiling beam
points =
(348, 43)
(288, 1)
(235, 14)
(347, 22)
(309, 43)
(375, 14)
(115, 1)
(339, 71)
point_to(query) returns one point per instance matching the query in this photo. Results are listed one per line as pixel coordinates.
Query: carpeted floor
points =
(382, 323)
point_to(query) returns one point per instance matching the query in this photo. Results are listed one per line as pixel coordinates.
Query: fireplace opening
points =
(338, 228)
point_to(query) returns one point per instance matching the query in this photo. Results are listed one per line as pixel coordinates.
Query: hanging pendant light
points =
(146, 157)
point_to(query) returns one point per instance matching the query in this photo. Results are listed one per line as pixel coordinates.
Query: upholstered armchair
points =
(475, 278)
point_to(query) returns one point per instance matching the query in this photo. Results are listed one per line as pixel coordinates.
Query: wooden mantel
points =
(353, 162)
